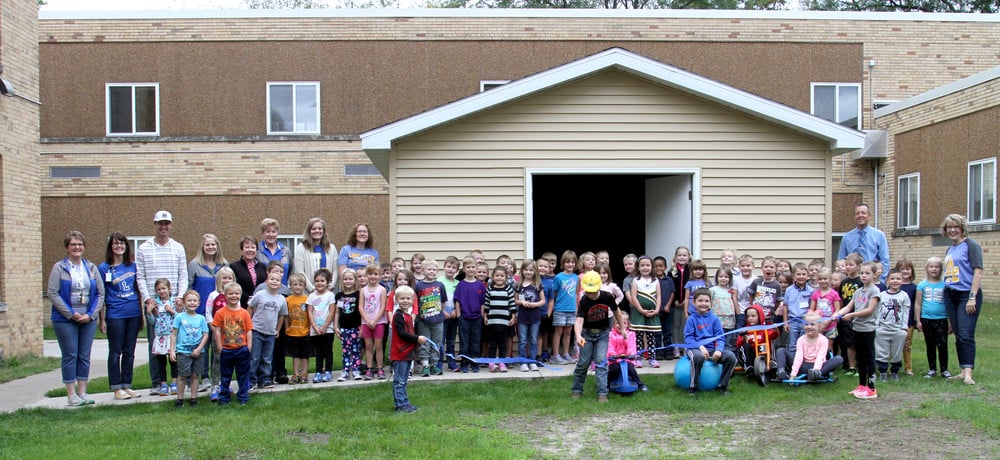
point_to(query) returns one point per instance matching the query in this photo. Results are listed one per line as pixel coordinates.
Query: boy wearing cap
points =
(594, 317)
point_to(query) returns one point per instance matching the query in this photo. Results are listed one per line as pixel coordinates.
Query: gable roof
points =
(379, 141)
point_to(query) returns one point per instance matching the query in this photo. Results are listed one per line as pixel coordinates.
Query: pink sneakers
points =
(866, 393)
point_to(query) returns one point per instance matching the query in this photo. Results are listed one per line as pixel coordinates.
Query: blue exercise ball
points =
(711, 373)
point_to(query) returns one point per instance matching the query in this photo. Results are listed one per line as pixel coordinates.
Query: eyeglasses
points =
(118, 243)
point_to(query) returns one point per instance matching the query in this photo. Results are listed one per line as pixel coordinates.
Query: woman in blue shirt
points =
(121, 318)
(358, 253)
(963, 298)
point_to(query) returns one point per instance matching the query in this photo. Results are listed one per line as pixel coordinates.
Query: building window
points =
(74, 172)
(137, 241)
(485, 85)
(838, 102)
(366, 169)
(293, 108)
(982, 191)
(908, 193)
(133, 109)
(290, 241)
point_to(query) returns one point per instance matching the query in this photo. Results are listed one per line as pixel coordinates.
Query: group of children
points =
(579, 308)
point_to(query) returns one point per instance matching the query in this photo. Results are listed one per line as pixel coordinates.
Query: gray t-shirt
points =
(862, 297)
(893, 313)
(267, 308)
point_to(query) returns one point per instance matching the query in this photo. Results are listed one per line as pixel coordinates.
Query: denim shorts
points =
(563, 318)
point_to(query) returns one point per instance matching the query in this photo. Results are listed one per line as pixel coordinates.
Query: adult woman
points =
(204, 266)
(77, 295)
(249, 272)
(121, 317)
(963, 298)
(314, 252)
(201, 277)
(358, 253)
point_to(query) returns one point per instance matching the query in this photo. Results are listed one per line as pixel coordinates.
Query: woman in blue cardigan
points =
(77, 294)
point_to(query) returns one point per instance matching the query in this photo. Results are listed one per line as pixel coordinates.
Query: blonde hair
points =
(932, 261)
(955, 219)
(218, 278)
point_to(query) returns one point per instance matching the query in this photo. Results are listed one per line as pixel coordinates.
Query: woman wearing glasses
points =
(963, 298)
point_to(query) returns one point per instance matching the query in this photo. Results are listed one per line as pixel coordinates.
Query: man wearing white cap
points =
(161, 257)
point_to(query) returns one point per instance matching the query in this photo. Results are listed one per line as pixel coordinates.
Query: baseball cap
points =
(591, 281)
(163, 215)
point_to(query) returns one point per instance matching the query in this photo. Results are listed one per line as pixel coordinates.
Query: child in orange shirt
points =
(233, 330)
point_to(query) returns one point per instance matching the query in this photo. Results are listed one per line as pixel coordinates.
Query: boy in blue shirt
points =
(702, 325)
(187, 342)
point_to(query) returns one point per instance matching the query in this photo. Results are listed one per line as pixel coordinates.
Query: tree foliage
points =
(927, 6)
(284, 4)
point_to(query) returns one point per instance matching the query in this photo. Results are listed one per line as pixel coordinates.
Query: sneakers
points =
(155, 391)
(75, 401)
(425, 372)
(723, 390)
(318, 378)
(268, 385)
(643, 387)
(282, 379)
(214, 394)
(503, 367)
(204, 386)
(852, 372)
(493, 367)
(867, 393)
(435, 370)
(524, 367)
(343, 376)
(327, 376)
(368, 374)
(557, 360)
(858, 389)
(782, 374)
(883, 376)
(692, 391)
(638, 363)
(593, 366)
(931, 374)
(381, 374)
(532, 367)
(475, 368)
(653, 363)
(945, 374)
(178, 403)
(895, 376)
(356, 375)
(131, 393)
(121, 395)
(568, 359)
(407, 409)
(463, 369)
(814, 375)
(173, 389)
(164, 390)
(544, 357)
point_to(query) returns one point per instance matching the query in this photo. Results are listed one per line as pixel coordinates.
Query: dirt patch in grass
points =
(311, 438)
(877, 428)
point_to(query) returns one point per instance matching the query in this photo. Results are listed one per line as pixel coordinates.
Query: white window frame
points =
(290, 241)
(137, 241)
(912, 219)
(986, 214)
(107, 108)
(294, 84)
(836, 108)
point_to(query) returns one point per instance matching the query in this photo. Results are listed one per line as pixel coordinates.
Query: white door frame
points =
(695, 173)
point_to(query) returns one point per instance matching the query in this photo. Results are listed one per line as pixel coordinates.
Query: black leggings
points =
(161, 364)
(324, 351)
(936, 339)
(864, 349)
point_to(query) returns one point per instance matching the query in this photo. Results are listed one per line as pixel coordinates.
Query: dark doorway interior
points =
(589, 212)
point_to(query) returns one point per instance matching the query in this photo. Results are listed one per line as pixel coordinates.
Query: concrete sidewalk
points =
(30, 392)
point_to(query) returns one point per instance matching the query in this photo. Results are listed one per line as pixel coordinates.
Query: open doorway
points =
(620, 213)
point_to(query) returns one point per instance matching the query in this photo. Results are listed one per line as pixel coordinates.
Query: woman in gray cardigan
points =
(315, 252)
(77, 294)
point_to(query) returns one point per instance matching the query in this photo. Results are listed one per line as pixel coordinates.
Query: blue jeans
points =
(470, 332)
(260, 358)
(963, 324)
(75, 341)
(595, 349)
(238, 360)
(796, 329)
(400, 375)
(527, 340)
(122, 335)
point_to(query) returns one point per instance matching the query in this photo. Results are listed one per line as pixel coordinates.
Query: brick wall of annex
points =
(20, 198)
(918, 248)
(912, 55)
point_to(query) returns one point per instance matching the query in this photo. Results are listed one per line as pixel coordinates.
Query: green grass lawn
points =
(16, 367)
(511, 419)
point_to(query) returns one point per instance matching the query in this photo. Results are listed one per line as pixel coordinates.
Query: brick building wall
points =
(20, 226)
(918, 245)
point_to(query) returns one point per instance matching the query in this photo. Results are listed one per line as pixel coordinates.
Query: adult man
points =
(867, 241)
(161, 257)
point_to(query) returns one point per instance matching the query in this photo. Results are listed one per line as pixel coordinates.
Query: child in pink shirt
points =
(621, 349)
(810, 353)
